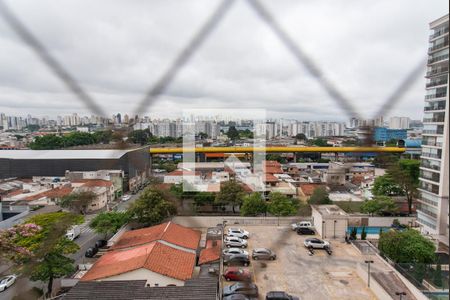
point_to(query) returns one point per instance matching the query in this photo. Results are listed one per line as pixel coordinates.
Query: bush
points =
(363, 233)
(353, 233)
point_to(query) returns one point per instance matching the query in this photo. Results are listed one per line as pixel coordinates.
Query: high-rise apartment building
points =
(432, 212)
(399, 123)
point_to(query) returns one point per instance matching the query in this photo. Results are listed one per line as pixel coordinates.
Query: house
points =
(103, 190)
(178, 176)
(161, 255)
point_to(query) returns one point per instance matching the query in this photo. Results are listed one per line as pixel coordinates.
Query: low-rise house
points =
(161, 255)
(178, 176)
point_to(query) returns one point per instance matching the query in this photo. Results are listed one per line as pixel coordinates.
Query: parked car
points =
(302, 224)
(316, 243)
(306, 231)
(7, 281)
(241, 233)
(236, 274)
(237, 260)
(231, 241)
(91, 251)
(276, 295)
(230, 251)
(244, 288)
(263, 253)
(100, 243)
(236, 297)
(126, 197)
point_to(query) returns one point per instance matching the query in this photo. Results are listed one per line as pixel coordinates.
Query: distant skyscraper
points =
(399, 123)
(432, 212)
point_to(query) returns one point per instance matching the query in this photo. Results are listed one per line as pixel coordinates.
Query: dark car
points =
(237, 260)
(237, 274)
(263, 253)
(244, 288)
(91, 251)
(100, 243)
(305, 230)
(275, 295)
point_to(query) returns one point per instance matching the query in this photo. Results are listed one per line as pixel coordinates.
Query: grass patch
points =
(349, 206)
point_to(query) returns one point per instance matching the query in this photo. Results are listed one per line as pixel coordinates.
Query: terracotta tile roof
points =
(156, 257)
(210, 253)
(309, 188)
(169, 232)
(273, 170)
(270, 178)
(14, 193)
(272, 163)
(53, 193)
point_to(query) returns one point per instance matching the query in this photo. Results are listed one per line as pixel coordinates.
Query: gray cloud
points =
(117, 49)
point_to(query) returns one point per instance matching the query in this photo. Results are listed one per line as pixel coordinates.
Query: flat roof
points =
(330, 211)
(64, 154)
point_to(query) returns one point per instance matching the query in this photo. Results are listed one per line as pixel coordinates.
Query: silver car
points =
(316, 243)
(7, 281)
(263, 253)
(235, 242)
(240, 233)
(231, 251)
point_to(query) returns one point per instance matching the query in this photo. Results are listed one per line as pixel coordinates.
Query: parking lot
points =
(295, 271)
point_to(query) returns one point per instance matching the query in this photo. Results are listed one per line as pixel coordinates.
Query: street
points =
(86, 239)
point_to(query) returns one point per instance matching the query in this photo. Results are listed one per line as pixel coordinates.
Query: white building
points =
(432, 212)
(399, 123)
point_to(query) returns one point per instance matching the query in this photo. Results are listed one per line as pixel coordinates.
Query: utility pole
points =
(368, 262)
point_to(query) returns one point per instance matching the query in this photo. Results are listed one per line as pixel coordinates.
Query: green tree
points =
(386, 186)
(151, 207)
(407, 246)
(103, 137)
(320, 196)
(406, 175)
(46, 142)
(253, 205)
(246, 134)
(204, 198)
(109, 222)
(231, 193)
(437, 276)
(353, 233)
(233, 133)
(378, 205)
(301, 137)
(140, 136)
(49, 247)
(77, 201)
(363, 233)
(281, 206)
(202, 136)
(319, 142)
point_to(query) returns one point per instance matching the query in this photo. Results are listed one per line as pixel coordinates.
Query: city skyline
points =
(226, 72)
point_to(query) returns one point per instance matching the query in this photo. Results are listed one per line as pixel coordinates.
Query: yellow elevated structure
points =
(288, 149)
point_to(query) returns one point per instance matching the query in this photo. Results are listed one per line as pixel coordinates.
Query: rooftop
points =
(155, 256)
(168, 232)
(330, 210)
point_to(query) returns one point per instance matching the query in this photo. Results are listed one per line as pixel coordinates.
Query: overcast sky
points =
(118, 49)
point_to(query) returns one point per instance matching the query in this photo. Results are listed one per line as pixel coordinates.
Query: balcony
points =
(438, 131)
(432, 155)
(437, 71)
(422, 209)
(435, 107)
(434, 120)
(438, 46)
(438, 95)
(437, 58)
(429, 187)
(439, 33)
(436, 82)
(425, 164)
(430, 176)
(431, 143)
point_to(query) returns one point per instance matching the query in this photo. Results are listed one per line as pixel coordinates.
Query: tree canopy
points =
(253, 205)
(386, 186)
(151, 207)
(408, 246)
(282, 206)
(139, 136)
(233, 133)
(319, 196)
(231, 192)
(77, 201)
(109, 222)
(379, 204)
(52, 141)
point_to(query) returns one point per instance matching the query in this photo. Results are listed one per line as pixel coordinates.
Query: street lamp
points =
(400, 294)
(334, 229)
(368, 262)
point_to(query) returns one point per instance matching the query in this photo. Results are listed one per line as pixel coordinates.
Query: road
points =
(86, 239)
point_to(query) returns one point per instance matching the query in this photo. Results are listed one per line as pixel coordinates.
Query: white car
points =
(7, 281)
(306, 224)
(235, 242)
(126, 198)
(231, 251)
(240, 233)
(316, 243)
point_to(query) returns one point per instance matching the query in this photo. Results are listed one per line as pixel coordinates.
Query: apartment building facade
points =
(432, 212)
